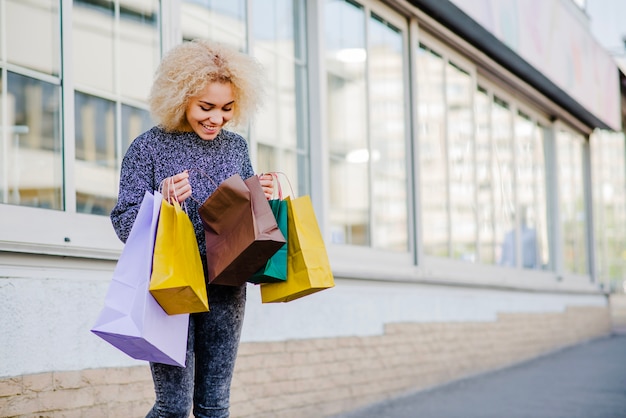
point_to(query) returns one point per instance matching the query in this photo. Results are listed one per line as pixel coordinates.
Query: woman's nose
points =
(216, 119)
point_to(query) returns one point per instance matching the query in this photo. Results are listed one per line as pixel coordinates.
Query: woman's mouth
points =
(210, 129)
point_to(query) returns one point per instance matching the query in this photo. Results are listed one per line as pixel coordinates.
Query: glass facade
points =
(222, 21)
(399, 120)
(31, 151)
(110, 87)
(432, 149)
(366, 86)
(280, 130)
(482, 170)
(572, 203)
(608, 159)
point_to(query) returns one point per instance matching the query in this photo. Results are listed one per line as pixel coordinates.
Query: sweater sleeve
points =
(136, 177)
(246, 169)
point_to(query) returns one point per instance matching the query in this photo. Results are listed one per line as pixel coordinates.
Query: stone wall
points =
(321, 377)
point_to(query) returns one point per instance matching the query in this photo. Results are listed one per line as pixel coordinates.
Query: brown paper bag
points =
(240, 230)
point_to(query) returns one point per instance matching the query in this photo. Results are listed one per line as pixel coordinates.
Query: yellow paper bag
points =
(308, 266)
(177, 280)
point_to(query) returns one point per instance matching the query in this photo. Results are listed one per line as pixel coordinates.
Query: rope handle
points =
(169, 200)
(205, 175)
(275, 175)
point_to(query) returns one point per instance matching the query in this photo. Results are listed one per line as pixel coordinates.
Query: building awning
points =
(601, 111)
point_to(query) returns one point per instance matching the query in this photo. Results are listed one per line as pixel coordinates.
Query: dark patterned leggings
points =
(211, 352)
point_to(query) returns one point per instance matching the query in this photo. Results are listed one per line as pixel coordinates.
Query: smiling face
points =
(208, 112)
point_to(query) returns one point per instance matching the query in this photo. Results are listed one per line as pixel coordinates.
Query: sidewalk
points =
(584, 381)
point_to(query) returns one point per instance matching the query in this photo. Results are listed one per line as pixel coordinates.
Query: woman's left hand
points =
(267, 183)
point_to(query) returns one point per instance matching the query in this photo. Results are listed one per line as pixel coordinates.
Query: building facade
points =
(466, 160)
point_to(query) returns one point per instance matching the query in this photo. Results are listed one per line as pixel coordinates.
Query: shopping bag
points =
(131, 319)
(177, 280)
(308, 266)
(240, 230)
(275, 270)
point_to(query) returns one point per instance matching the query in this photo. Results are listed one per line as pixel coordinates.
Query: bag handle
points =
(275, 175)
(191, 170)
(275, 180)
(169, 200)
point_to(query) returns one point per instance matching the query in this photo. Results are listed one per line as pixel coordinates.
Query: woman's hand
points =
(267, 183)
(176, 187)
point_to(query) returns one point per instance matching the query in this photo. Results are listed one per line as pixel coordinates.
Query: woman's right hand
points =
(176, 187)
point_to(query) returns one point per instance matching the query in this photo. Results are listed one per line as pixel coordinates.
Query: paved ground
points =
(584, 381)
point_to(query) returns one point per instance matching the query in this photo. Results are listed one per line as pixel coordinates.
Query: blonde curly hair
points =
(189, 67)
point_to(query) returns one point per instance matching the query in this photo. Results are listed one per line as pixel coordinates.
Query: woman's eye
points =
(227, 109)
(206, 109)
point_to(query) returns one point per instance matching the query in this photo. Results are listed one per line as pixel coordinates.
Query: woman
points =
(199, 88)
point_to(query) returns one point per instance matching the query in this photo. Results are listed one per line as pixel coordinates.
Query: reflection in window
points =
(511, 185)
(134, 122)
(366, 128)
(447, 161)
(459, 89)
(387, 136)
(280, 134)
(36, 44)
(572, 201)
(125, 36)
(218, 20)
(31, 173)
(482, 171)
(435, 222)
(93, 27)
(123, 49)
(531, 193)
(608, 159)
(503, 181)
(96, 168)
(347, 123)
(484, 179)
(139, 47)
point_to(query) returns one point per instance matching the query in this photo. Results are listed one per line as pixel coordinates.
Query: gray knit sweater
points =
(156, 154)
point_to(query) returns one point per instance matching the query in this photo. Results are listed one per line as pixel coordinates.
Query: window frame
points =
(402, 23)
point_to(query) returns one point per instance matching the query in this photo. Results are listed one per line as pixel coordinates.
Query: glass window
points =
(32, 32)
(459, 92)
(503, 182)
(134, 122)
(531, 193)
(347, 101)
(511, 181)
(31, 160)
(122, 37)
(572, 201)
(608, 159)
(435, 221)
(93, 27)
(139, 47)
(95, 171)
(388, 150)
(484, 179)
(366, 128)
(280, 135)
(31, 144)
(219, 20)
(447, 157)
(125, 34)
(482, 170)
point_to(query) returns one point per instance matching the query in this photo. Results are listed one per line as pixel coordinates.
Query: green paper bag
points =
(275, 270)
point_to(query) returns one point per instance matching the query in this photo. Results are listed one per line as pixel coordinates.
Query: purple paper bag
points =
(131, 319)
